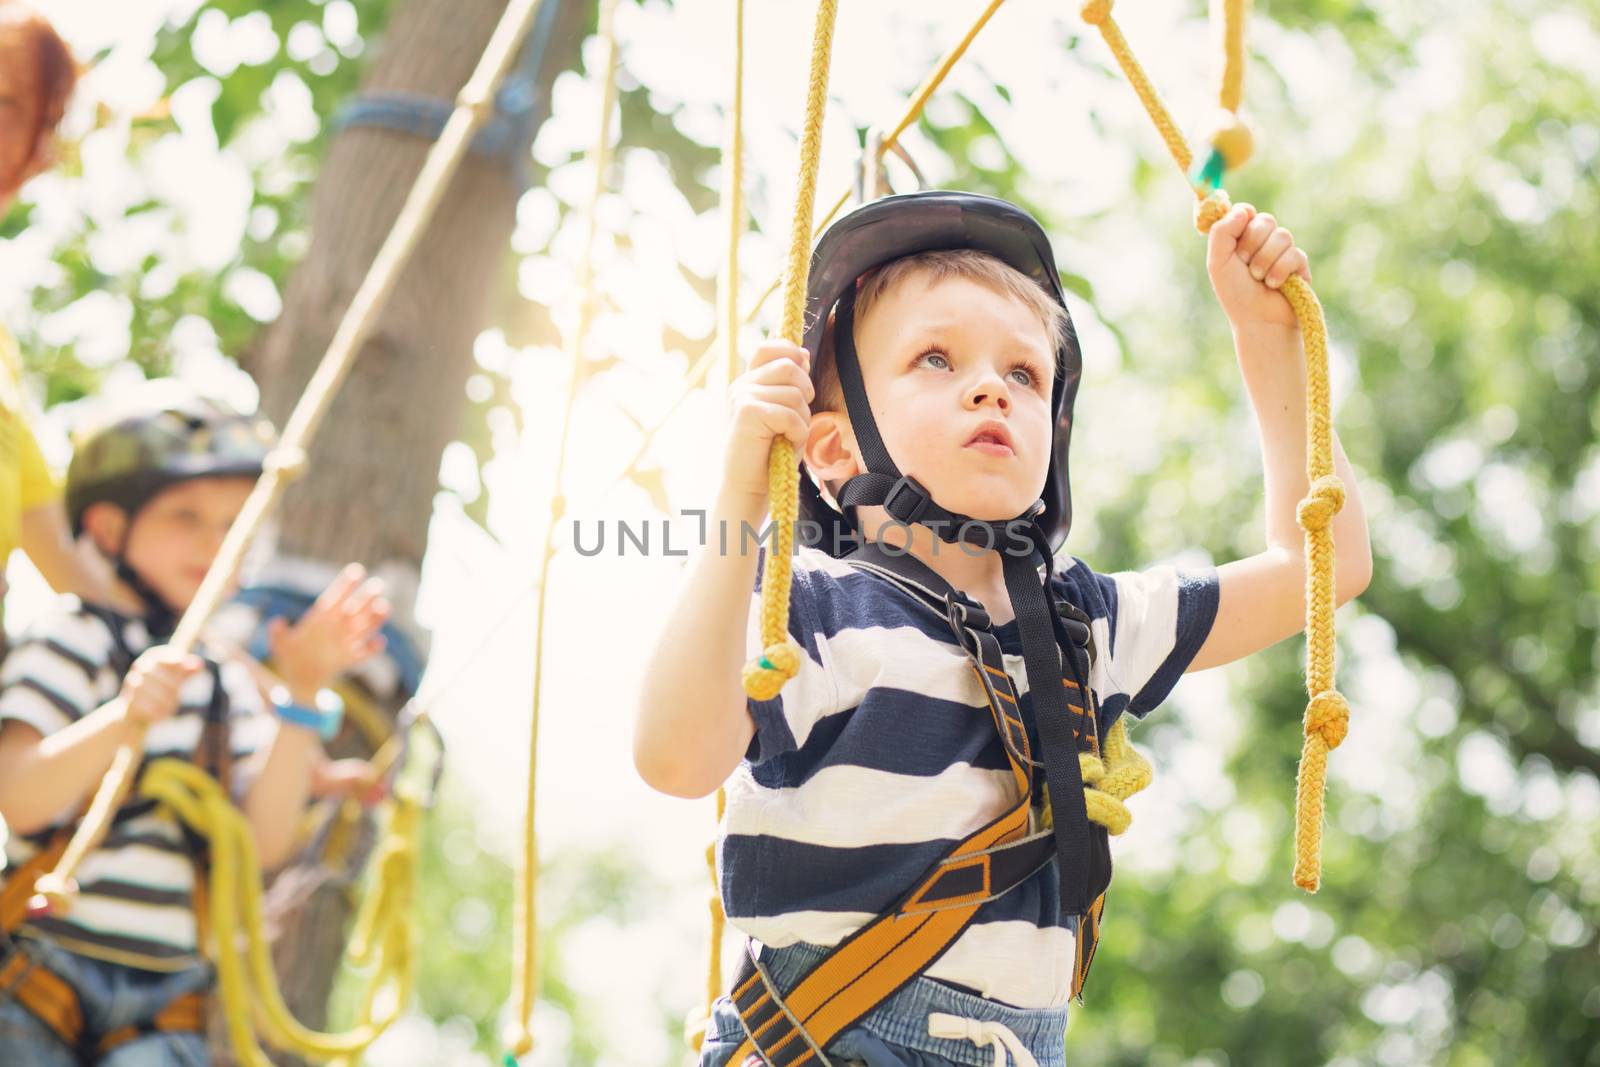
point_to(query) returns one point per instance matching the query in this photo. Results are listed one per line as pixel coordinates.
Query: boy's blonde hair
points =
(936, 266)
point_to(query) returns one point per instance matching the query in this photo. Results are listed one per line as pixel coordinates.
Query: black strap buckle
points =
(1076, 628)
(896, 505)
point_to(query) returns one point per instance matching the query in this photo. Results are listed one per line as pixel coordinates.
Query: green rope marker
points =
(1210, 172)
(766, 664)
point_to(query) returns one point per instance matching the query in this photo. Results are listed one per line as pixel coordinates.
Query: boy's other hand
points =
(338, 631)
(770, 399)
(348, 779)
(1249, 257)
(150, 690)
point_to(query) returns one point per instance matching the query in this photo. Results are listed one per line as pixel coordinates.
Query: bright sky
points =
(603, 609)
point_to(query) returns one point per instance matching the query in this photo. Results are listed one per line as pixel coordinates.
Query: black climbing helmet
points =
(155, 436)
(898, 226)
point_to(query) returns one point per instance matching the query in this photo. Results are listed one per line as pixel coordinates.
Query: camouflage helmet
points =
(157, 435)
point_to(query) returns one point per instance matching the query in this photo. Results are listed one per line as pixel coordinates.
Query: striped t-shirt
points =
(136, 890)
(880, 755)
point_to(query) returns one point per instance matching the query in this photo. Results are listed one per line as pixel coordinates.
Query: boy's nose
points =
(991, 390)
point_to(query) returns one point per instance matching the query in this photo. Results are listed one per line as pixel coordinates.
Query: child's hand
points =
(340, 630)
(770, 399)
(150, 690)
(349, 779)
(1249, 257)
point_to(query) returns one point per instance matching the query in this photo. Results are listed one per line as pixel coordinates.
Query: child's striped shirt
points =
(136, 890)
(880, 755)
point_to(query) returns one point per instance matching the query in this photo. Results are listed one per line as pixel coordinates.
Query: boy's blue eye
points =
(932, 354)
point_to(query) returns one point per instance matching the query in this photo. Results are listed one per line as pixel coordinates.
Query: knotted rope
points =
(1327, 714)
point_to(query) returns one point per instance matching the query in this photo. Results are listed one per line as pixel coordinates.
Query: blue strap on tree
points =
(508, 136)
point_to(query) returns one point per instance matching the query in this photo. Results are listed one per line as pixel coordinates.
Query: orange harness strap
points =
(51, 999)
(186, 1014)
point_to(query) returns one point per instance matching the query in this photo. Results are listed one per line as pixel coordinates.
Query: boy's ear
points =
(107, 526)
(831, 450)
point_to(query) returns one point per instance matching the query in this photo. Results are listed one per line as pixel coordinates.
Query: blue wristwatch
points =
(325, 718)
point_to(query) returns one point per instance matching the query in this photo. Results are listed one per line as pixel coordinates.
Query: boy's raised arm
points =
(1261, 599)
(693, 725)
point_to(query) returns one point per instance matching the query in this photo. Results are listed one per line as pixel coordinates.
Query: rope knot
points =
(1319, 507)
(1233, 140)
(1328, 717)
(764, 678)
(1095, 12)
(1209, 211)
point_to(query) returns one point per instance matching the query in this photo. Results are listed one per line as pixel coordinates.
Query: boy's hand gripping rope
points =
(1327, 715)
(764, 676)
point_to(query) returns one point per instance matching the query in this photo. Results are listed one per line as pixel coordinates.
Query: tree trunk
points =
(374, 466)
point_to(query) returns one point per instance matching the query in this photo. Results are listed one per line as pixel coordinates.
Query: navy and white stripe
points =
(135, 905)
(880, 755)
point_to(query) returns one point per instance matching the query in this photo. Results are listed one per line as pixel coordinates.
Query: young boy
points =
(882, 760)
(116, 981)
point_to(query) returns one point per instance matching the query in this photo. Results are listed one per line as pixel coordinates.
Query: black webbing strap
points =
(1082, 850)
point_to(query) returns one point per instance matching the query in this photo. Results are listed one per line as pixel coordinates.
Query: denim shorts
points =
(895, 1033)
(111, 996)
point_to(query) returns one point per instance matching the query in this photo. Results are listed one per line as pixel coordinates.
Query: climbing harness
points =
(788, 1026)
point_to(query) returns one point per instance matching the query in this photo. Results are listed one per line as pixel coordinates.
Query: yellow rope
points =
(1231, 93)
(733, 212)
(733, 203)
(931, 83)
(473, 104)
(1327, 713)
(518, 1035)
(1110, 779)
(1327, 718)
(764, 676)
(1231, 138)
(1097, 13)
(247, 984)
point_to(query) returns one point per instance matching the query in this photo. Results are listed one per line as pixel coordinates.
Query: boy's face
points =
(175, 537)
(960, 377)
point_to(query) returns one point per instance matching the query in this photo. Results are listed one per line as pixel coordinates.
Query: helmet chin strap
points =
(903, 497)
(160, 618)
(1023, 545)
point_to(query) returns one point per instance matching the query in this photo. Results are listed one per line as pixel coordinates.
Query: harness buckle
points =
(963, 613)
